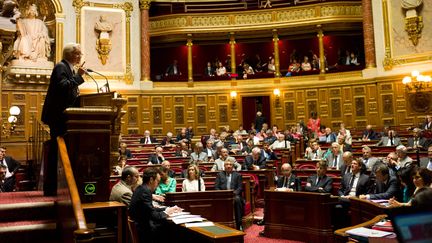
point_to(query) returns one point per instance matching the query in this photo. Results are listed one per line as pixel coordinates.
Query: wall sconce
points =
(9, 126)
(276, 93)
(416, 82)
(233, 99)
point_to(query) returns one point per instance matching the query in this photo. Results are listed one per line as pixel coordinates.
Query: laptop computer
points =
(412, 225)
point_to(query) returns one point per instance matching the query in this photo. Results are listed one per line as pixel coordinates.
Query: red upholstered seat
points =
(306, 166)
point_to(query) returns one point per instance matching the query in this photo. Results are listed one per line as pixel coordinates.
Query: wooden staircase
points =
(28, 217)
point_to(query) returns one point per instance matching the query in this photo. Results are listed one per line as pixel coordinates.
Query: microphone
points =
(106, 79)
(97, 86)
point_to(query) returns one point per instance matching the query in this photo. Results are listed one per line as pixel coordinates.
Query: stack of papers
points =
(185, 217)
(365, 232)
(200, 224)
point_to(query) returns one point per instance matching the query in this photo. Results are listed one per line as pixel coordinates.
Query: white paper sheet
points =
(365, 232)
(200, 224)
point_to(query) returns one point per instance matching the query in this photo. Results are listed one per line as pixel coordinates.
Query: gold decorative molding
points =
(256, 19)
(391, 61)
(414, 26)
(127, 7)
(144, 4)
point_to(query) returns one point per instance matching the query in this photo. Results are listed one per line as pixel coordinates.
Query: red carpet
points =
(24, 197)
(252, 236)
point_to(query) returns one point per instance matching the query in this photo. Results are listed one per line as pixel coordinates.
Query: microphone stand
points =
(97, 86)
(106, 79)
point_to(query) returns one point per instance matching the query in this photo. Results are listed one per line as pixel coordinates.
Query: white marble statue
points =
(410, 6)
(33, 42)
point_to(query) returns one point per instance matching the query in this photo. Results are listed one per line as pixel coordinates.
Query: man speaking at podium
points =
(62, 93)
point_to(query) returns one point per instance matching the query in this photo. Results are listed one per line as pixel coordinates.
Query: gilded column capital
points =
(144, 4)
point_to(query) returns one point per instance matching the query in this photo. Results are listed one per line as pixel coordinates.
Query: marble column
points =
(145, 40)
(189, 45)
(276, 53)
(233, 53)
(368, 34)
(321, 49)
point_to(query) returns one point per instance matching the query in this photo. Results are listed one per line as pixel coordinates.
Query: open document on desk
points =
(186, 217)
(366, 232)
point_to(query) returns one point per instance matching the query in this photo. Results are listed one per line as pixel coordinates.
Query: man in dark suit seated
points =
(148, 219)
(320, 182)
(147, 139)
(11, 167)
(417, 141)
(288, 181)
(386, 186)
(124, 151)
(355, 183)
(426, 162)
(157, 157)
(369, 134)
(232, 180)
(255, 161)
(390, 140)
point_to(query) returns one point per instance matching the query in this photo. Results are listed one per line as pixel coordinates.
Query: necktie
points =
(146, 141)
(285, 182)
(335, 161)
(318, 181)
(391, 141)
(366, 161)
(352, 182)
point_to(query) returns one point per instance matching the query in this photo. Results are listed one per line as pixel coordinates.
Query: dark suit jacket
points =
(236, 182)
(170, 70)
(372, 135)
(165, 141)
(293, 183)
(362, 185)
(249, 162)
(12, 164)
(62, 93)
(386, 191)
(326, 183)
(422, 141)
(344, 170)
(154, 159)
(208, 72)
(272, 155)
(424, 162)
(147, 217)
(127, 153)
(152, 139)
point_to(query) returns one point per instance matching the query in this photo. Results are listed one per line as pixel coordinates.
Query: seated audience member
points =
(347, 158)
(355, 183)
(321, 133)
(147, 139)
(182, 150)
(168, 141)
(253, 137)
(271, 67)
(423, 199)
(123, 190)
(3, 169)
(219, 163)
(12, 167)
(417, 141)
(333, 156)
(294, 67)
(250, 146)
(122, 160)
(221, 70)
(306, 66)
(211, 153)
(247, 70)
(392, 162)
(341, 140)
(193, 182)
(148, 219)
(241, 130)
(269, 138)
(209, 70)
(426, 162)
(386, 186)
(268, 152)
(403, 158)
(313, 152)
(183, 136)
(124, 151)
(157, 157)
(211, 136)
(319, 182)
(288, 181)
(281, 143)
(166, 164)
(353, 59)
(346, 133)
(232, 180)
(255, 161)
(166, 184)
(173, 69)
(390, 139)
(240, 146)
(367, 158)
(275, 131)
(189, 132)
(427, 125)
(330, 136)
(405, 176)
(315, 62)
(198, 156)
(422, 178)
(345, 60)
(369, 134)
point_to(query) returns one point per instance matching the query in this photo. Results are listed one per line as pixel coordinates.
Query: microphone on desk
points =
(88, 74)
(106, 79)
